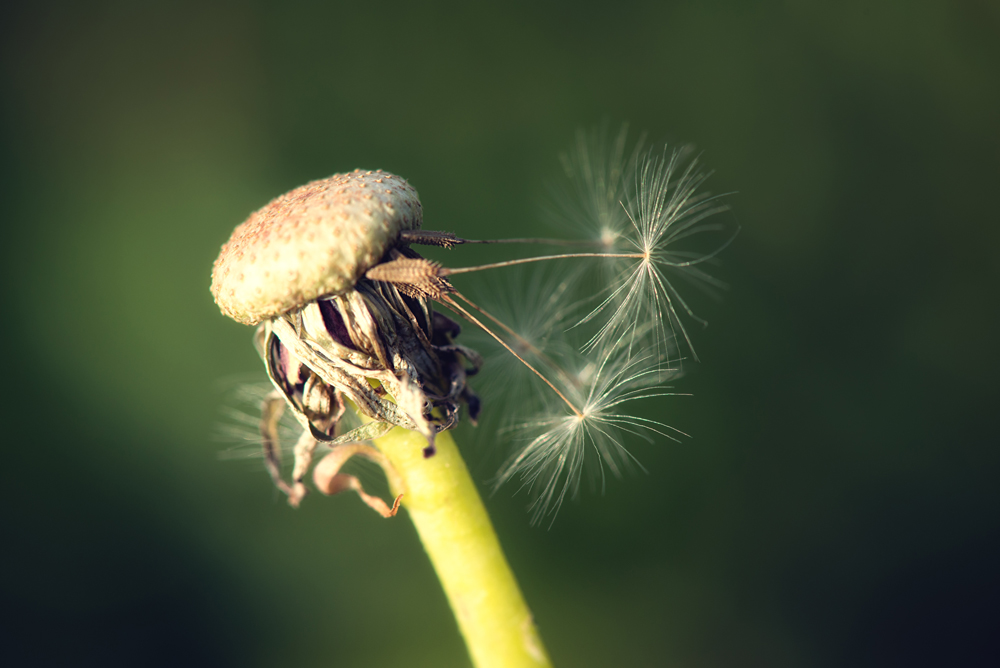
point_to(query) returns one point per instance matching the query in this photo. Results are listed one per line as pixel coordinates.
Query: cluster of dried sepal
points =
(344, 307)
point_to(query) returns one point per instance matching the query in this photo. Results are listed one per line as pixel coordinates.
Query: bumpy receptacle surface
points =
(315, 240)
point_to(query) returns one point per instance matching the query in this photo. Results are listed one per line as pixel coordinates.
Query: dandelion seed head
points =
(581, 339)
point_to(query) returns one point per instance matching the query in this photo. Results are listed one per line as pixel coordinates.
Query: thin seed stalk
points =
(456, 532)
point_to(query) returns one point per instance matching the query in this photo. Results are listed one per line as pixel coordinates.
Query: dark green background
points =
(838, 502)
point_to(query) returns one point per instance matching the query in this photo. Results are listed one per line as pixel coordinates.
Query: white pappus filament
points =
(551, 463)
(638, 210)
(662, 208)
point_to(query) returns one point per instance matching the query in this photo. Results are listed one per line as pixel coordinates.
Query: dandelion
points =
(347, 320)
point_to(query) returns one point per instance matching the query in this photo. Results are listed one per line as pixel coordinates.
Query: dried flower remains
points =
(346, 319)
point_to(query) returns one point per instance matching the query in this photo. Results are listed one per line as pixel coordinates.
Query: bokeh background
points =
(837, 504)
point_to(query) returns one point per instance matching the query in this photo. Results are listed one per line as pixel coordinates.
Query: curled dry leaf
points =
(330, 481)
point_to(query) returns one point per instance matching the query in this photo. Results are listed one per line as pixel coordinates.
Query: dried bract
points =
(327, 333)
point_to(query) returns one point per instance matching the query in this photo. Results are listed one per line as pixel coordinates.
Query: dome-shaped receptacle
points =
(316, 240)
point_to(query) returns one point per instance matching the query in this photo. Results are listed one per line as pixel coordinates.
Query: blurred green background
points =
(838, 503)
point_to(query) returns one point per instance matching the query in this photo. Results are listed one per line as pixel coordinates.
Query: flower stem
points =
(459, 539)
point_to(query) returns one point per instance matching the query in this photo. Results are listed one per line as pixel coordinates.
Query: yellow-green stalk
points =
(459, 538)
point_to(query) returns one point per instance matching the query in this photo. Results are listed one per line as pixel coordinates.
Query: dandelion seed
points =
(662, 208)
(535, 308)
(551, 464)
(588, 200)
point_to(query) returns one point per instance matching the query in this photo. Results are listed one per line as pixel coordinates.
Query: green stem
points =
(459, 539)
